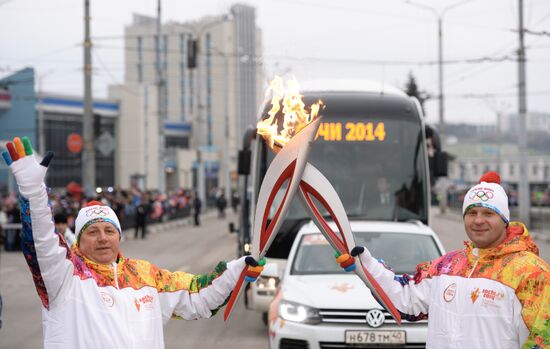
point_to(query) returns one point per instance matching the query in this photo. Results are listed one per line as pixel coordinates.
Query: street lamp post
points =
(201, 117)
(226, 161)
(439, 16)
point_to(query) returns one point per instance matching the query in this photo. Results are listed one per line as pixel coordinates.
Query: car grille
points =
(287, 343)
(347, 316)
(341, 345)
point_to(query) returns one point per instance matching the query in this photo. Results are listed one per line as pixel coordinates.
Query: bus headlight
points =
(295, 312)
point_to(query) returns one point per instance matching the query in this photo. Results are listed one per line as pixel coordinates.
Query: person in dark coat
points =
(197, 205)
(221, 204)
(142, 211)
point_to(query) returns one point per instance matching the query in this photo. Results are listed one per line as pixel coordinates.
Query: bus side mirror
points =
(440, 164)
(232, 228)
(244, 162)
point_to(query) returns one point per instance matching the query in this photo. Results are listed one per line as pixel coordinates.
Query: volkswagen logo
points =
(375, 318)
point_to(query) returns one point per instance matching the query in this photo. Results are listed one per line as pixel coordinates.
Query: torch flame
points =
(295, 115)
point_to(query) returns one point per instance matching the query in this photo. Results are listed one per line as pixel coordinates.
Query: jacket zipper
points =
(116, 277)
(475, 252)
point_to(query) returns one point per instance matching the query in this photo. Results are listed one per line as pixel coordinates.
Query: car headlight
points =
(267, 283)
(295, 312)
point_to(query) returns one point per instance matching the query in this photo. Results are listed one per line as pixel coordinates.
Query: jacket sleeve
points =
(197, 296)
(534, 295)
(46, 254)
(409, 295)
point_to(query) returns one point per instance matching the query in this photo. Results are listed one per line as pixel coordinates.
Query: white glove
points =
(28, 173)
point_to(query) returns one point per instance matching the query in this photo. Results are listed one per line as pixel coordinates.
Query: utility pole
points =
(88, 155)
(440, 65)
(160, 106)
(226, 131)
(523, 184)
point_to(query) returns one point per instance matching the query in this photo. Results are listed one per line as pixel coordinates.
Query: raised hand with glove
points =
(28, 173)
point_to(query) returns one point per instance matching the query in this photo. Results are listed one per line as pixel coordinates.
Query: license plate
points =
(376, 337)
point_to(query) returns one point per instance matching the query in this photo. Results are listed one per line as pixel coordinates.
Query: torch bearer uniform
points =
(477, 298)
(122, 305)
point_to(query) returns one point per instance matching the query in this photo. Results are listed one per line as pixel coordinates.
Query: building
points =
(472, 160)
(210, 89)
(535, 122)
(54, 122)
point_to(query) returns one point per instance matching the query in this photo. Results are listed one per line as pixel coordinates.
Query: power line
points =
(486, 95)
(532, 32)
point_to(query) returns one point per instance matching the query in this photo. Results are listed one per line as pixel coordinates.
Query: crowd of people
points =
(134, 208)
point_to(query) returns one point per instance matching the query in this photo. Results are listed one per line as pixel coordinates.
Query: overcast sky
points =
(311, 39)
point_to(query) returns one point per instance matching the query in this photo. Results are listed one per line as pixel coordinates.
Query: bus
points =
(372, 145)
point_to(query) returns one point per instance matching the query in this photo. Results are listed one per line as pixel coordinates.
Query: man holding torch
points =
(94, 297)
(495, 293)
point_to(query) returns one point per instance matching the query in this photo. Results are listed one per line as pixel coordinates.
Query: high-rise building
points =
(210, 89)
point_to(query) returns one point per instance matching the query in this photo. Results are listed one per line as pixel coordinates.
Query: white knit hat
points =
(488, 193)
(92, 213)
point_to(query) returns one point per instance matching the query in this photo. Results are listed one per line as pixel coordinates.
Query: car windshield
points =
(400, 251)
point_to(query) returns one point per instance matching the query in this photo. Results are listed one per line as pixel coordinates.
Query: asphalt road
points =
(176, 247)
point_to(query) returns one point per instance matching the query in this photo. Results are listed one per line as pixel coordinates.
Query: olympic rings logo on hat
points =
(481, 195)
(97, 211)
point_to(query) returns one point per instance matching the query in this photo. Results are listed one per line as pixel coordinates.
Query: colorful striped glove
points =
(255, 268)
(28, 173)
(346, 261)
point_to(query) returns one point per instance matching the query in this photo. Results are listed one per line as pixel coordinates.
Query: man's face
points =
(100, 242)
(484, 227)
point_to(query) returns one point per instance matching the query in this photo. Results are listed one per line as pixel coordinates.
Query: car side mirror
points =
(243, 167)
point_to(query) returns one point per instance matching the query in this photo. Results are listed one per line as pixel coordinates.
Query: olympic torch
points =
(292, 146)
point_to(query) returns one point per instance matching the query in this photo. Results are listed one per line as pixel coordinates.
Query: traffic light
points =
(192, 51)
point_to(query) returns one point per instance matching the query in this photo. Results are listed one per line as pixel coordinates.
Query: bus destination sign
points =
(351, 131)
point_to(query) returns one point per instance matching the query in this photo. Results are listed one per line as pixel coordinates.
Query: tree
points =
(411, 89)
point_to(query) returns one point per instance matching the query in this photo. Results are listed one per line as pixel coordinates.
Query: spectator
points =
(60, 220)
(142, 211)
(12, 234)
(221, 203)
(197, 205)
(235, 200)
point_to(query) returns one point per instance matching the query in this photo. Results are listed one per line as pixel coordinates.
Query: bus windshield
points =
(373, 154)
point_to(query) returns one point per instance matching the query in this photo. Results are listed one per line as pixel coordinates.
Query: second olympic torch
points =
(290, 164)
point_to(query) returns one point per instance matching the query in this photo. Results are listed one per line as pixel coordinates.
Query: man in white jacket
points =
(94, 297)
(495, 293)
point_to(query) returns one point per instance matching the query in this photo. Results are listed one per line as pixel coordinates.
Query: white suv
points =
(319, 306)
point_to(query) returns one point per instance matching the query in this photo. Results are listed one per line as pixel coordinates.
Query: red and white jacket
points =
(123, 305)
(477, 298)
